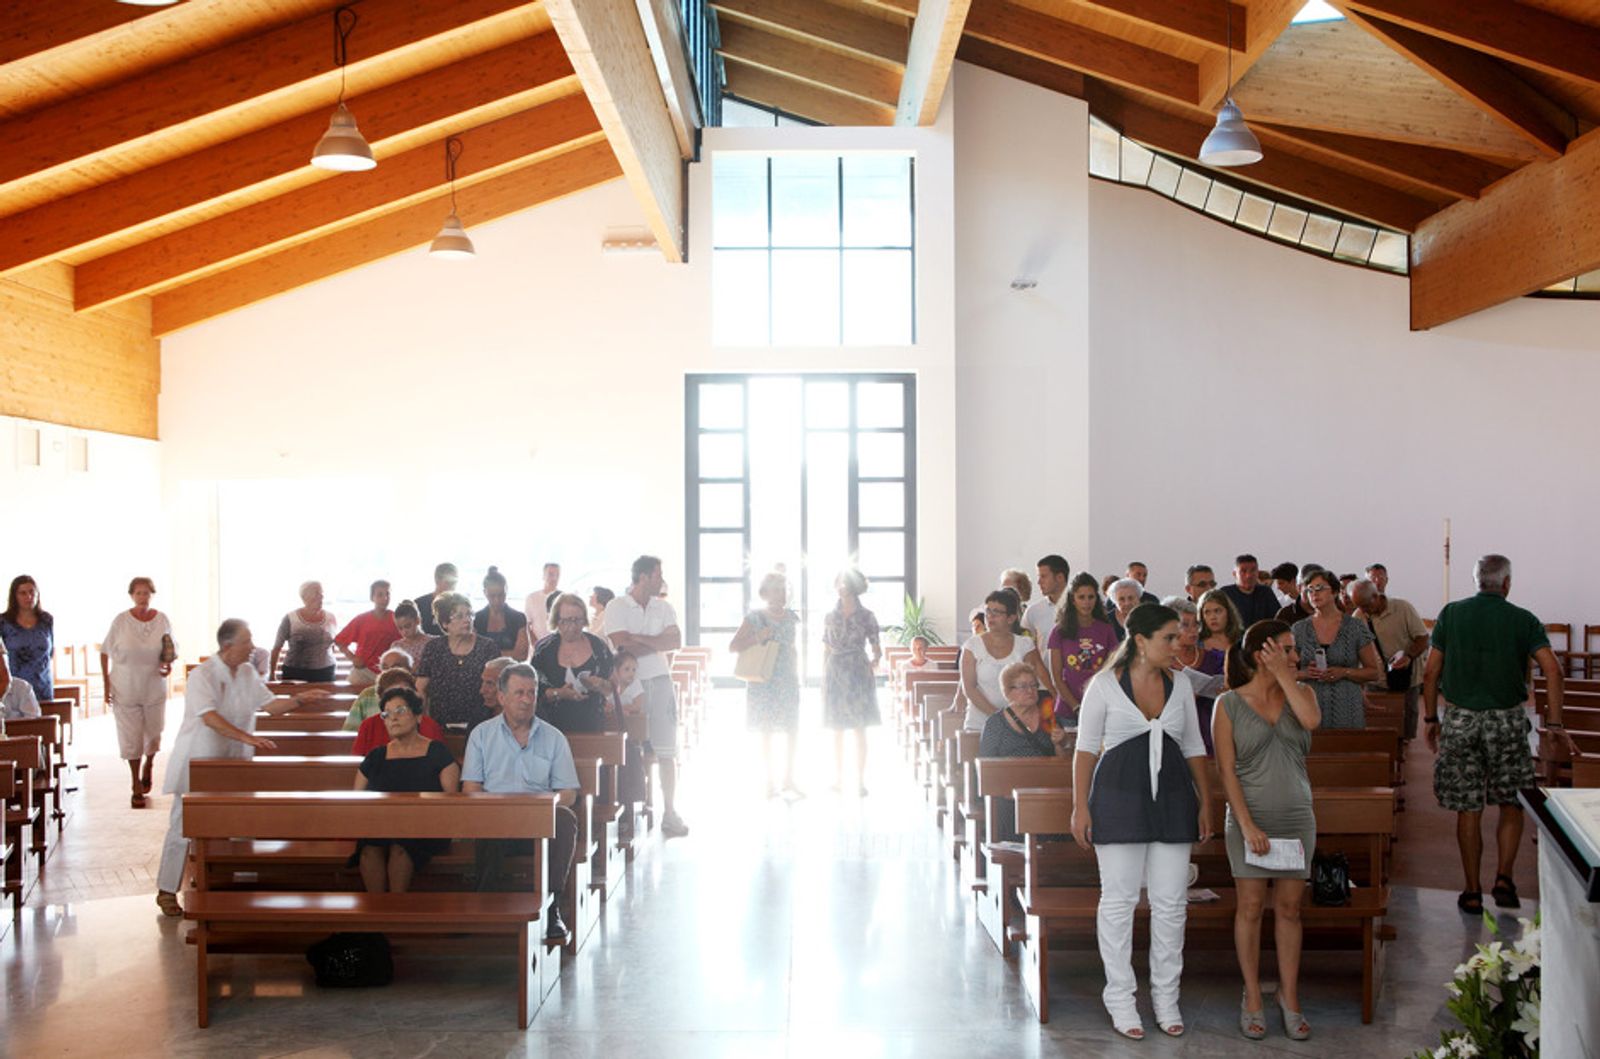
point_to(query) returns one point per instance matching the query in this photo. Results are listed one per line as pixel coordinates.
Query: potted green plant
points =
(914, 622)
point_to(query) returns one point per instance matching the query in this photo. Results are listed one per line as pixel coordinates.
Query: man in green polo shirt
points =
(1481, 648)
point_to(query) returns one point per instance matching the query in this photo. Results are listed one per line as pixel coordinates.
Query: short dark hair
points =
(380, 583)
(145, 581)
(406, 695)
(1056, 565)
(1135, 562)
(1246, 557)
(643, 566)
(516, 669)
(445, 570)
(1197, 568)
(603, 595)
(1285, 572)
(1376, 566)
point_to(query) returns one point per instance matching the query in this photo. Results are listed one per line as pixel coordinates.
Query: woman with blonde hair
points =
(773, 705)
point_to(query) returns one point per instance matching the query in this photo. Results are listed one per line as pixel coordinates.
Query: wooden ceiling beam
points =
(1452, 173)
(802, 100)
(606, 42)
(935, 35)
(869, 82)
(1025, 30)
(1519, 33)
(1527, 232)
(1267, 21)
(1534, 228)
(1198, 20)
(381, 237)
(665, 32)
(1478, 79)
(230, 79)
(35, 28)
(317, 209)
(1287, 172)
(833, 26)
(446, 99)
(1022, 67)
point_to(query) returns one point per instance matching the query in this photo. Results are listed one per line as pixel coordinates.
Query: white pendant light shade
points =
(343, 148)
(452, 243)
(1231, 142)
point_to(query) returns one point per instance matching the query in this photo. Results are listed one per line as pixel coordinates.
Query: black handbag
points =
(1330, 880)
(349, 961)
(1394, 679)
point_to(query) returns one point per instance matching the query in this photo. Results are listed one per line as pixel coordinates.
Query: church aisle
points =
(828, 927)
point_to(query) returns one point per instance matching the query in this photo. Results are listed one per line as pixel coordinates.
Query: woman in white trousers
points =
(1141, 799)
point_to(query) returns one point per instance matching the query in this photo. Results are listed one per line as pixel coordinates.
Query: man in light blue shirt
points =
(517, 753)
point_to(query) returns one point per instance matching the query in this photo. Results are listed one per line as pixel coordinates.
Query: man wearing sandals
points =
(1481, 648)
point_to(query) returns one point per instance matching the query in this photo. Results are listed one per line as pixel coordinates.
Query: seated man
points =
(517, 753)
(490, 686)
(19, 701)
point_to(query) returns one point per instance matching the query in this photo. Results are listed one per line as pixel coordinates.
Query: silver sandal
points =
(1295, 1025)
(1252, 1024)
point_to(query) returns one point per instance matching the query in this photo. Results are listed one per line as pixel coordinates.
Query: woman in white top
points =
(1142, 809)
(136, 659)
(984, 657)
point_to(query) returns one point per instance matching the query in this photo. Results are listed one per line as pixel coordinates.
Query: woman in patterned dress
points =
(849, 686)
(773, 705)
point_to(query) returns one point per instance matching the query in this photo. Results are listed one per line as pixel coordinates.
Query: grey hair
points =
(1362, 590)
(773, 578)
(1182, 605)
(307, 586)
(402, 652)
(516, 669)
(1124, 582)
(495, 665)
(1491, 572)
(229, 631)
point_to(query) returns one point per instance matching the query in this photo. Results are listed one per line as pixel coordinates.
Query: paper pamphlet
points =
(1283, 854)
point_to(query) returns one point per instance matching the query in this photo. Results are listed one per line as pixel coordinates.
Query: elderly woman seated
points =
(1018, 731)
(408, 761)
(396, 666)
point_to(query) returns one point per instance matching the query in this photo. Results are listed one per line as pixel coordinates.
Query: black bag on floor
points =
(1330, 880)
(343, 961)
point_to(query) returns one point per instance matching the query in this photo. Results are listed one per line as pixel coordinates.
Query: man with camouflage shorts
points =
(1481, 648)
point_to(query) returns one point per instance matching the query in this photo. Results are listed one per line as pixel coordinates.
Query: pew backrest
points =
(273, 774)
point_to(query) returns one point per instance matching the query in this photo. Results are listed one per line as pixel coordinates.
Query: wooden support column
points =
(1536, 227)
(609, 50)
(934, 37)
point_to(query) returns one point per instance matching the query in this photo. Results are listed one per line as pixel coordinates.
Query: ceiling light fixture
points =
(452, 243)
(1231, 142)
(342, 148)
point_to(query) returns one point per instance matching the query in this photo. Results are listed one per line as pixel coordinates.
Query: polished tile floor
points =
(829, 927)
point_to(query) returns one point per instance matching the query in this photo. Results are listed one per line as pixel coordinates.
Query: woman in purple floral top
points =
(1079, 645)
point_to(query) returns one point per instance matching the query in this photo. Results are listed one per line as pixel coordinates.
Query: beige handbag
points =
(755, 664)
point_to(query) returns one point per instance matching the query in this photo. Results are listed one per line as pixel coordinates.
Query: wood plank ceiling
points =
(1406, 113)
(162, 154)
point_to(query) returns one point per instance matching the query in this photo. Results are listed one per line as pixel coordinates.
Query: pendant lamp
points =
(342, 148)
(1231, 142)
(452, 244)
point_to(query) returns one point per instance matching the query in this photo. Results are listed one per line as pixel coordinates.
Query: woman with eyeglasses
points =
(574, 669)
(1018, 730)
(1338, 654)
(450, 673)
(987, 654)
(409, 761)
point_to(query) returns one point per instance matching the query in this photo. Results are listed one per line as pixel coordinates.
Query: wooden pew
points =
(608, 865)
(1061, 892)
(309, 744)
(235, 918)
(268, 724)
(23, 810)
(1000, 861)
(1586, 772)
(235, 775)
(10, 850)
(74, 697)
(47, 775)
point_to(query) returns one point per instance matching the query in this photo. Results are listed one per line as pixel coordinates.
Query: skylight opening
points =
(1317, 11)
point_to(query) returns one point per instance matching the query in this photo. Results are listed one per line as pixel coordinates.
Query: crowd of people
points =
(1140, 692)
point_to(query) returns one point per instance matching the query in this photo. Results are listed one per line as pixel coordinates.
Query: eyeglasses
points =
(569, 620)
(1020, 686)
(997, 612)
(394, 715)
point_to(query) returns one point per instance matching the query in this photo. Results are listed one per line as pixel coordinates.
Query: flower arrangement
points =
(1495, 997)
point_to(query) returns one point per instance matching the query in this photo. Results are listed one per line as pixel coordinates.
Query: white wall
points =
(1022, 357)
(82, 534)
(530, 402)
(1251, 397)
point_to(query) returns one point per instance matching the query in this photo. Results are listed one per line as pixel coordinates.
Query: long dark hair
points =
(11, 612)
(1144, 620)
(1067, 611)
(1241, 664)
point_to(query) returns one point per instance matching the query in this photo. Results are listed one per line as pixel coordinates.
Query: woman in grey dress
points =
(1262, 733)
(1349, 655)
(773, 705)
(849, 681)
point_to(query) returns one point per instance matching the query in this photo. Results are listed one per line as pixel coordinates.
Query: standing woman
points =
(28, 631)
(574, 669)
(985, 656)
(450, 675)
(849, 688)
(773, 705)
(1142, 809)
(1079, 645)
(497, 621)
(136, 659)
(1262, 731)
(1348, 649)
(1200, 666)
(309, 634)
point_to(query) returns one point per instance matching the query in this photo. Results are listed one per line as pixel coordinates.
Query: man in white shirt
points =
(1040, 617)
(643, 623)
(219, 720)
(536, 608)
